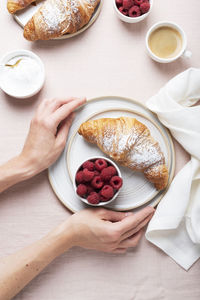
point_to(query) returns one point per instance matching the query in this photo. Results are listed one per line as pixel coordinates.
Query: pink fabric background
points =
(108, 59)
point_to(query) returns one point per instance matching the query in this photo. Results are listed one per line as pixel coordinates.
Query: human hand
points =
(48, 132)
(106, 230)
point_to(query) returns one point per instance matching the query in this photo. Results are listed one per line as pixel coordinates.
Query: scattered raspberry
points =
(128, 4)
(134, 12)
(88, 165)
(119, 3)
(79, 177)
(100, 164)
(144, 7)
(123, 10)
(81, 190)
(87, 175)
(116, 182)
(107, 192)
(138, 2)
(107, 173)
(93, 198)
(96, 182)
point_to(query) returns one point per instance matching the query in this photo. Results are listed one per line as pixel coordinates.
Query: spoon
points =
(12, 66)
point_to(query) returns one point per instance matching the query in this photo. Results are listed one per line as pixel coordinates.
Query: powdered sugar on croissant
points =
(15, 5)
(57, 17)
(130, 143)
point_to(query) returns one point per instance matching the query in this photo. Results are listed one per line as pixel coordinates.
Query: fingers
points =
(63, 131)
(65, 110)
(56, 103)
(134, 220)
(113, 216)
(137, 228)
(132, 241)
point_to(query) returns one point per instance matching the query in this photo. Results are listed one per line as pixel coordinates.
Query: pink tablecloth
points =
(108, 59)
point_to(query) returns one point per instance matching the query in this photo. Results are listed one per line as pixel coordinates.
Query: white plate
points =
(23, 16)
(136, 190)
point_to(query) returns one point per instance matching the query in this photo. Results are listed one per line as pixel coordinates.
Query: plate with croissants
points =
(129, 134)
(54, 19)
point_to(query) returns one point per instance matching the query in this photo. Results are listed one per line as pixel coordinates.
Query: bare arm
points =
(45, 141)
(107, 231)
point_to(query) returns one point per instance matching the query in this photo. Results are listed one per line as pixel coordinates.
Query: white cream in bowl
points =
(26, 78)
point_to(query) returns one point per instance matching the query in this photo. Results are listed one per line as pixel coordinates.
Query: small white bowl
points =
(131, 19)
(41, 74)
(118, 174)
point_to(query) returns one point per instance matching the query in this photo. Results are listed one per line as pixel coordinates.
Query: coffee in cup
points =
(166, 41)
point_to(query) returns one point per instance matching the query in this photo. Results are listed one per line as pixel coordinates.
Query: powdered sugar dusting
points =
(61, 14)
(136, 148)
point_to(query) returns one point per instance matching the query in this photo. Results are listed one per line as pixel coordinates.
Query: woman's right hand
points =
(105, 230)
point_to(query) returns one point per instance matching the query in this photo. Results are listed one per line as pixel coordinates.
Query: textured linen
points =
(108, 59)
(175, 227)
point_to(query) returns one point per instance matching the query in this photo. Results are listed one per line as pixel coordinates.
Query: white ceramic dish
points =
(18, 54)
(183, 51)
(23, 16)
(136, 190)
(111, 162)
(129, 19)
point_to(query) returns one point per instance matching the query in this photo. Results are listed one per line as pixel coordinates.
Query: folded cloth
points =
(175, 227)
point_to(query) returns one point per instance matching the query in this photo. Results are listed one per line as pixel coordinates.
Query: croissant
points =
(57, 17)
(15, 5)
(129, 142)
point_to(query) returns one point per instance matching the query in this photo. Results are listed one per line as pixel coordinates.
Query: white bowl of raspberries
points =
(132, 11)
(98, 181)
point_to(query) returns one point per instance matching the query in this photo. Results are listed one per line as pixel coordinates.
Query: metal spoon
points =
(12, 66)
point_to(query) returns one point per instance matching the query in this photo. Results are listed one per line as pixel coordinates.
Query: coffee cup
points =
(166, 42)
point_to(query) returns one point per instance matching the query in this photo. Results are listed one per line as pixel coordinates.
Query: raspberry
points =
(79, 177)
(128, 4)
(96, 182)
(102, 199)
(123, 10)
(134, 12)
(107, 192)
(89, 189)
(107, 173)
(96, 173)
(81, 190)
(116, 182)
(93, 198)
(88, 165)
(144, 7)
(119, 3)
(138, 2)
(87, 175)
(100, 164)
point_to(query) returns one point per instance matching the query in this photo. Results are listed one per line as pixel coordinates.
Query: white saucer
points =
(136, 190)
(23, 16)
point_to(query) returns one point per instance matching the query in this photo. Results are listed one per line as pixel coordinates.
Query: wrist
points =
(26, 166)
(61, 238)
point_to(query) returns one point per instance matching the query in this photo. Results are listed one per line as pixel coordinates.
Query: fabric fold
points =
(175, 227)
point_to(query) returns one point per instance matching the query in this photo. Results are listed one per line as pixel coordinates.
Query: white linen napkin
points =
(175, 227)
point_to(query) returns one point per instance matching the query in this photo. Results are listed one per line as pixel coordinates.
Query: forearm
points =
(18, 269)
(14, 171)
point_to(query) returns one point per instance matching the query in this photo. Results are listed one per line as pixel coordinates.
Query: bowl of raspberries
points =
(98, 181)
(132, 11)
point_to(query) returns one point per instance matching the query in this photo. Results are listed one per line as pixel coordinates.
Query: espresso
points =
(165, 42)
